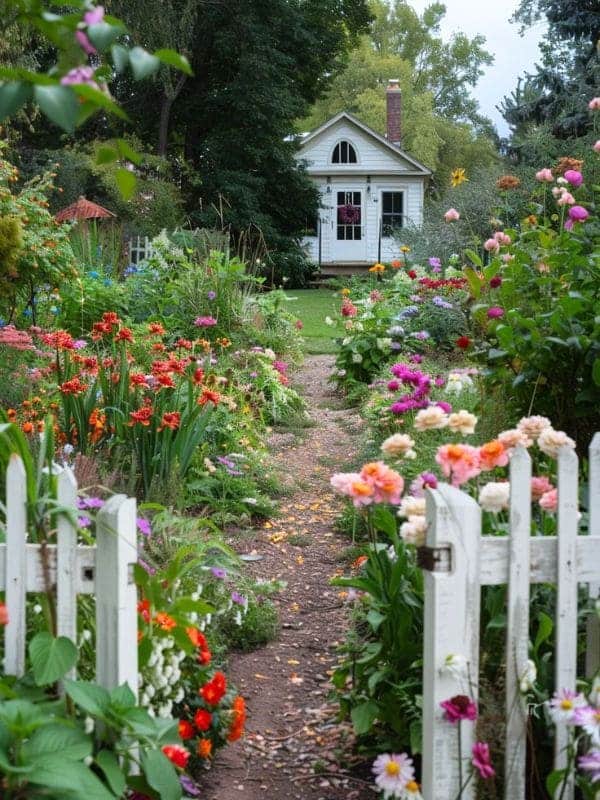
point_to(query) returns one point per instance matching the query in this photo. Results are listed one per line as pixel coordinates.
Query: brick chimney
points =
(393, 95)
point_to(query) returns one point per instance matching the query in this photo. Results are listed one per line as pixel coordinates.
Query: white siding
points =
(378, 169)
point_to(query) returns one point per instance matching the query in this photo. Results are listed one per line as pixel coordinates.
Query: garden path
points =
(293, 743)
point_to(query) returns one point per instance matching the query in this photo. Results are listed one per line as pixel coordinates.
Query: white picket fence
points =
(104, 570)
(462, 560)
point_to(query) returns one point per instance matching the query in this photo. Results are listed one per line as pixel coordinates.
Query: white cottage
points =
(369, 187)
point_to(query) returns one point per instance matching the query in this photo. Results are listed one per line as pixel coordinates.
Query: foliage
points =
(34, 248)
(83, 743)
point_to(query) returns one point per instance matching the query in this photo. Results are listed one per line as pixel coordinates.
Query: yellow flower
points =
(457, 176)
(378, 268)
(345, 292)
(405, 249)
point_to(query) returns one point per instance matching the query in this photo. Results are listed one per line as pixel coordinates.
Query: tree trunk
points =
(165, 115)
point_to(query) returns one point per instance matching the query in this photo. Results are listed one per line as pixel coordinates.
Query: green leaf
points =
(375, 618)
(596, 372)
(123, 697)
(59, 104)
(161, 775)
(363, 716)
(70, 743)
(554, 780)
(544, 631)
(51, 658)
(383, 520)
(106, 155)
(474, 258)
(91, 698)
(73, 779)
(142, 63)
(126, 151)
(102, 35)
(95, 99)
(174, 59)
(12, 97)
(494, 353)
(120, 57)
(126, 182)
(109, 764)
(474, 282)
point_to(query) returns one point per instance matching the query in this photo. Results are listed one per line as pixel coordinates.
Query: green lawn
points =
(312, 306)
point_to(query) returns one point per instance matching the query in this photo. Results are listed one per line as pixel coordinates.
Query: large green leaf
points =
(102, 35)
(51, 658)
(161, 775)
(126, 182)
(71, 743)
(89, 697)
(59, 104)
(174, 59)
(72, 778)
(363, 716)
(143, 63)
(109, 764)
(12, 97)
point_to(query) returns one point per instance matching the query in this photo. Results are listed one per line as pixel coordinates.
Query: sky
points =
(513, 54)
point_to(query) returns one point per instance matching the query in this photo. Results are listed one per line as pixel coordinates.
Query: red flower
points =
(204, 657)
(185, 343)
(143, 416)
(160, 367)
(111, 318)
(463, 342)
(143, 608)
(412, 274)
(61, 340)
(74, 386)
(177, 755)
(214, 691)
(124, 335)
(137, 379)
(3, 614)
(459, 707)
(158, 347)
(99, 329)
(156, 327)
(209, 397)
(186, 729)
(177, 365)
(238, 709)
(198, 375)
(170, 419)
(202, 720)
(165, 382)
(495, 282)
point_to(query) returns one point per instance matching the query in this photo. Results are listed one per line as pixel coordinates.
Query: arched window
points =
(344, 153)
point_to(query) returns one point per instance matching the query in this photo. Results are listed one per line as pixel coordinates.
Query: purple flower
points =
(211, 295)
(205, 322)
(458, 708)
(416, 358)
(218, 572)
(421, 335)
(441, 303)
(90, 502)
(80, 75)
(440, 381)
(145, 566)
(189, 786)
(446, 407)
(435, 262)
(495, 312)
(429, 480)
(95, 16)
(409, 311)
(84, 522)
(578, 213)
(85, 44)
(590, 762)
(143, 526)
(481, 760)
(238, 598)
(574, 177)
(79, 344)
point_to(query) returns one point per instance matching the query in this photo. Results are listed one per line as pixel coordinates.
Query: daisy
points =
(393, 773)
(588, 718)
(564, 705)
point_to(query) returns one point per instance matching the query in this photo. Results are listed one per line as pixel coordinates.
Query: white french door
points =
(349, 226)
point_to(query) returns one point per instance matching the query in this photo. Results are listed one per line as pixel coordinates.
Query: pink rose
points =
(451, 215)
(544, 175)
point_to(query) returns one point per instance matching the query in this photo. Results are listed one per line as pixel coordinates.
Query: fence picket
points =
(116, 594)
(592, 652)
(517, 630)
(451, 622)
(66, 560)
(566, 595)
(16, 567)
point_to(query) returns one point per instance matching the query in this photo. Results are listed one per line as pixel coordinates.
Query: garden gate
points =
(104, 569)
(459, 560)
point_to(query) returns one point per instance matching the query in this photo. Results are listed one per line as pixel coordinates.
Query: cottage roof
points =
(83, 209)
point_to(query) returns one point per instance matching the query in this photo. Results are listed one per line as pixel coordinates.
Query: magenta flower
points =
(205, 322)
(218, 572)
(574, 177)
(578, 213)
(446, 407)
(84, 522)
(481, 760)
(85, 44)
(95, 16)
(495, 312)
(144, 526)
(590, 763)
(80, 75)
(238, 598)
(458, 708)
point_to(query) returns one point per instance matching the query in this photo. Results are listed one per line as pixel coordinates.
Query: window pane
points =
(351, 154)
(336, 155)
(386, 199)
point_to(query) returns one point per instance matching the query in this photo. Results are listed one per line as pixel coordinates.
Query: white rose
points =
(494, 497)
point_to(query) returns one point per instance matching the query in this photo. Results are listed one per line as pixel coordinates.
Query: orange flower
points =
(111, 318)
(395, 264)
(61, 340)
(158, 347)
(214, 691)
(358, 562)
(184, 343)
(165, 382)
(40, 426)
(204, 657)
(11, 414)
(164, 621)
(493, 454)
(196, 637)
(143, 608)
(74, 386)
(170, 419)
(377, 268)
(202, 720)
(124, 335)
(236, 729)
(27, 427)
(205, 748)
(208, 396)
(185, 729)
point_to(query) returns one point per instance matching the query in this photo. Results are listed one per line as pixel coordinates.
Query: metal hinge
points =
(434, 559)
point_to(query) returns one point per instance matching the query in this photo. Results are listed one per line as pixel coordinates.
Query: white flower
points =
(462, 422)
(431, 418)
(414, 530)
(356, 358)
(398, 445)
(528, 678)
(456, 665)
(412, 506)
(532, 427)
(550, 441)
(494, 497)
(195, 596)
(179, 695)
(564, 705)
(329, 321)
(88, 725)
(37, 609)
(588, 718)
(270, 354)
(384, 344)
(86, 635)
(144, 700)
(250, 501)
(392, 773)
(391, 554)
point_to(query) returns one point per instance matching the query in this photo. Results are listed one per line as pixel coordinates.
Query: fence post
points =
(15, 631)
(116, 595)
(451, 626)
(592, 650)
(66, 560)
(517, 624)
(566, 596)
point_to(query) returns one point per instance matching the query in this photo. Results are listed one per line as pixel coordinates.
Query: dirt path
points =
(293, 742)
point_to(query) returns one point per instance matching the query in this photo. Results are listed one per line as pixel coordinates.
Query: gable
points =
(375, 155)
